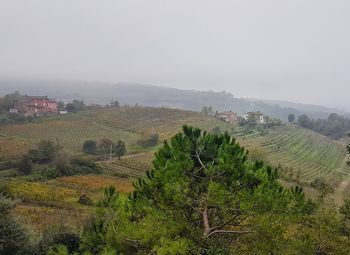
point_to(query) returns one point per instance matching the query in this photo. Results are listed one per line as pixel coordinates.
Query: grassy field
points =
(126, 123)
(304, 152)
(56, 201)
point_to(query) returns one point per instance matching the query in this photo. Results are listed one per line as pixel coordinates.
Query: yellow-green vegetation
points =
(40, 217)
(91, 183)
(10, 148)
(35, 191)
(56, 201)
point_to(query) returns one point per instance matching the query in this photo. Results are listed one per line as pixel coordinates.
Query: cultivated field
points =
(56, 201)
(125, 123)
(306, 153)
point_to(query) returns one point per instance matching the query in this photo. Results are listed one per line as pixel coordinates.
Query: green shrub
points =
(54, 237)
(150, 141)
(13, 237)
(45, 153)
(90, 147)
(25, 165)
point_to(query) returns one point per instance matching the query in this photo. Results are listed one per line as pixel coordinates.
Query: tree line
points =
(48, 160)
(335, 126)
(105, 147)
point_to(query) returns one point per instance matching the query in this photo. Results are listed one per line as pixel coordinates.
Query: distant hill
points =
(149, 95)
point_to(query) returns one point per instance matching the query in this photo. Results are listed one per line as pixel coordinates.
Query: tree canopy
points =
(335, 126)
(291, 118)
(202, 193)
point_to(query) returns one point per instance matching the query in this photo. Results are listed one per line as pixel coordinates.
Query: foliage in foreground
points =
(203, 196)
(13, 238)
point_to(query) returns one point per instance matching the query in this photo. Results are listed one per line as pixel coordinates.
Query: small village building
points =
(259, 117)
(13, 110)
(229, 117)
(262, 119)
(63, 112)
(245, 116)
(37, 106)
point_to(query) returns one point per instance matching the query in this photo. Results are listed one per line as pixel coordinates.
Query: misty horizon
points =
(278, 50)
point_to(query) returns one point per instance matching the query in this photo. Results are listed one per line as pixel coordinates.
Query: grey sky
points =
(295, 50)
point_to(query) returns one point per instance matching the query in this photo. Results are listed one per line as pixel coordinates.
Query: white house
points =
(258, 116)
(262, 119)
(245, 116)
(13, 110)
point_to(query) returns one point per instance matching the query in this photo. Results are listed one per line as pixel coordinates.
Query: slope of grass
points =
(55, 202)
(307, 153)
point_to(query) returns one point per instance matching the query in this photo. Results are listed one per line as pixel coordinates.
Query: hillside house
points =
(259, 117)
(37, 106)
(13, 110)
(229, 117)
(245, 116)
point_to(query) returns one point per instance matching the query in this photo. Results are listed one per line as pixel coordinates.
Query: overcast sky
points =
(296, 50)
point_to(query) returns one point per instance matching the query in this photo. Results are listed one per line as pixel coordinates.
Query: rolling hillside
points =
(126, 123)
(157, 96)
(305, 153)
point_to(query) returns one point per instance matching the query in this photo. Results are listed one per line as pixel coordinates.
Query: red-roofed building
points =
(37, 105)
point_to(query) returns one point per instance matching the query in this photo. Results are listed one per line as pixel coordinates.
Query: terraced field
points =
(306, 152)
(120, 168)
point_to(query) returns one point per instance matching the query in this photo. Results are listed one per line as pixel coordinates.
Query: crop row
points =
(123, 167)
(308, 153)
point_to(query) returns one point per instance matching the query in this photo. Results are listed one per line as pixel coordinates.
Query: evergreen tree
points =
(45, 153)
(104, 146)
(291, 118)
(90, 147)
(25, 165)
(204, 190)
(120, 149)
(13, 238)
